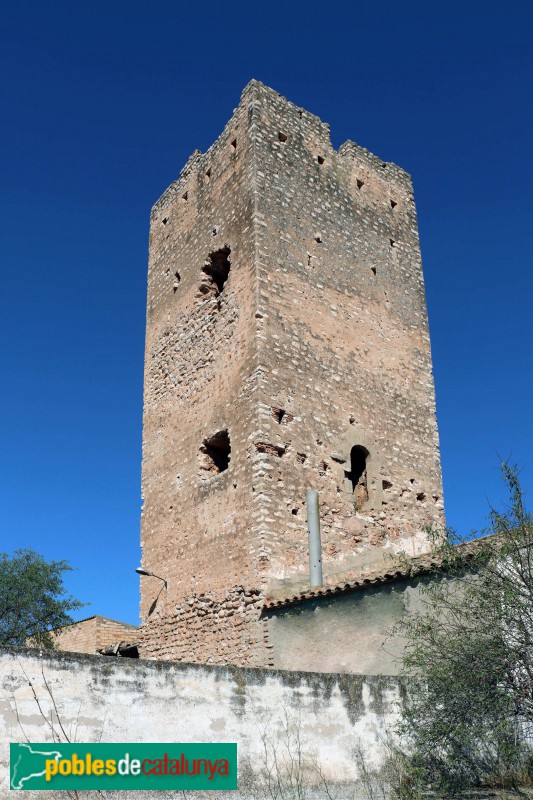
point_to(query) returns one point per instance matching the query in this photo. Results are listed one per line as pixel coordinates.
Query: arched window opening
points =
(358, 475)
(217, 268)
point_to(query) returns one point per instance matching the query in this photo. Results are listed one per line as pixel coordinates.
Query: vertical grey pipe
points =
(315, 545)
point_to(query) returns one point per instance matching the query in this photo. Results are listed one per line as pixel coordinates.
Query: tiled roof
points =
(394, 571)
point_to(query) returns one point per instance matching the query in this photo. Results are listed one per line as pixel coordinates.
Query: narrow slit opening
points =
(357, 475)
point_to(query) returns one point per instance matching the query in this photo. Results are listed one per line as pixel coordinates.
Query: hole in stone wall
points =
(393, 203)
(278, 414)
(177, 279)
(421, 497)
(271, 449)
(295, 511)
(281, 416)
(373, 270)
(234, 144)
(165, 220)
(360, 183)
(263, 563)
(301, 457)
(392, 243)
(282, 137)
(386, 485)
(357, 475)
(208, 174)
(215, 454)
(320, 159)
(318, 238)
(352, 420)
(185, 196)
(323, 467)
(217, 268)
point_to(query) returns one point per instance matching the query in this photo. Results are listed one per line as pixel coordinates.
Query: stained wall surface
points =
(328, 722)
(355, 632)
(287, 339)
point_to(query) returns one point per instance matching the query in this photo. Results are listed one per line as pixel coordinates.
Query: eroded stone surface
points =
(286, 308)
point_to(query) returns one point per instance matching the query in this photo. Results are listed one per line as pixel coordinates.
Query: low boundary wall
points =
(325, 722)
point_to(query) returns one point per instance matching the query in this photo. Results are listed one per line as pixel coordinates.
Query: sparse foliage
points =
(289, 772)
(49, 711)
(32, 598)
(471, 648)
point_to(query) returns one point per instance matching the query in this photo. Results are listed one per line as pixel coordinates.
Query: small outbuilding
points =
(97, 635)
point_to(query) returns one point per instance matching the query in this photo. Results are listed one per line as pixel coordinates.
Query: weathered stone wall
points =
(344, 346)
(199, 380)
(286, 325)
(335, 718)
(209, 628)
(89, 635)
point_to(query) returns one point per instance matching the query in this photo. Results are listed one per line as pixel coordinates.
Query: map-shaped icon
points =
(31, 763)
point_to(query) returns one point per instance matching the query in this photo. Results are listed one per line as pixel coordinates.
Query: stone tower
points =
(287, 348)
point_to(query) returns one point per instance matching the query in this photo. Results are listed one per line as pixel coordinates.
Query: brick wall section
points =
(94, 633)
(317, 342)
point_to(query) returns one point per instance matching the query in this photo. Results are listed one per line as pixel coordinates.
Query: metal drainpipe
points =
(315, 546)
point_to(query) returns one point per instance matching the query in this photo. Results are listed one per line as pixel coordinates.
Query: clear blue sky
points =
(103, 102)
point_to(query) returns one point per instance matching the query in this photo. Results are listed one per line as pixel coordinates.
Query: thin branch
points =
(55, 706)
(18, 718)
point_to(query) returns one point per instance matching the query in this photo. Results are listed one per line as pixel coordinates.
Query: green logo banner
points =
(123, 766)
